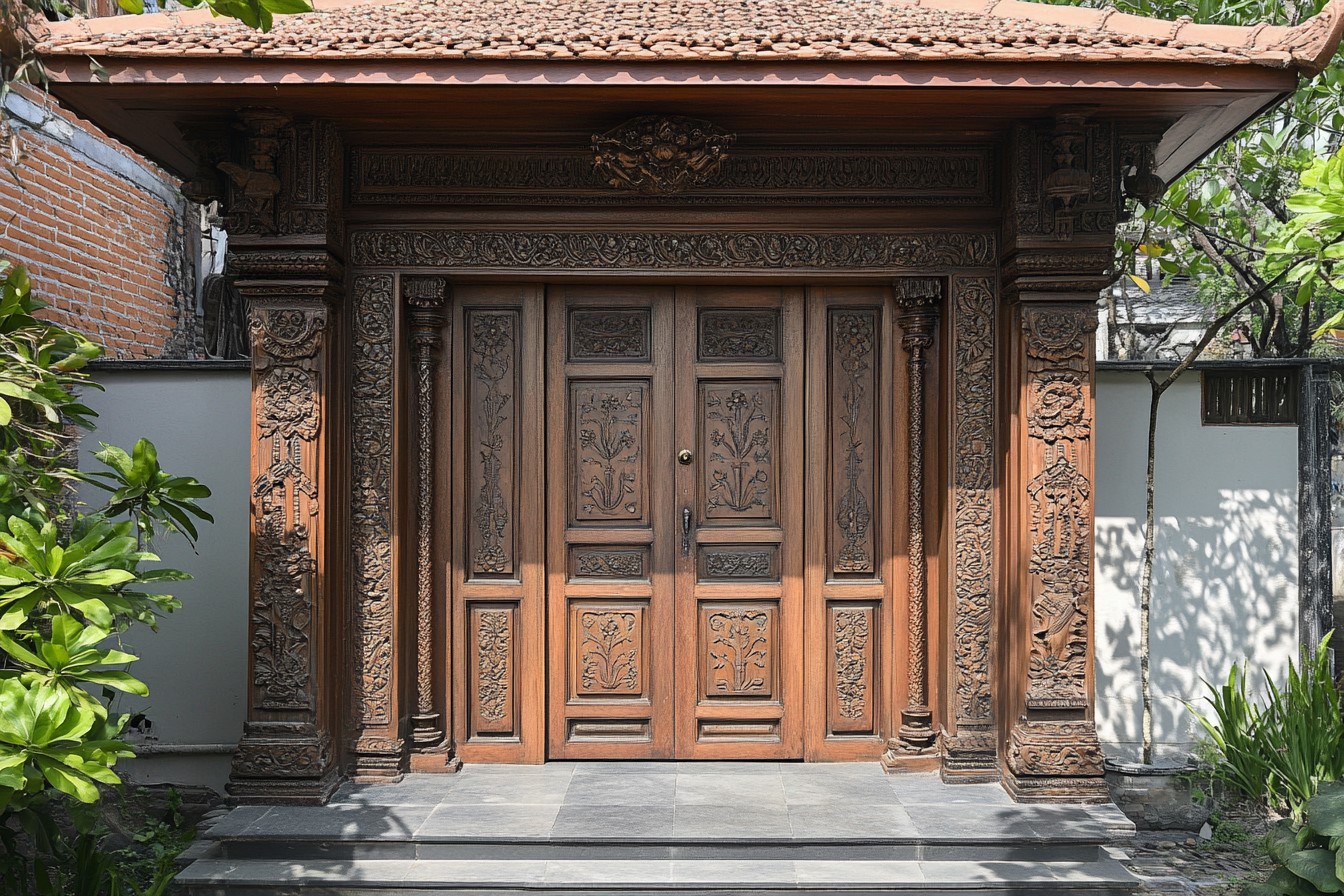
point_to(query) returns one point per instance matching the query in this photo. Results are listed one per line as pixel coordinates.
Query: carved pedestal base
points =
(377, 760)
(440, 761)
(283, 764)
(969, 757)
(1055, 761)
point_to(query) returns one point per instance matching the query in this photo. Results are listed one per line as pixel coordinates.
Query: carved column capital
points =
(919, 301)
(426, 301)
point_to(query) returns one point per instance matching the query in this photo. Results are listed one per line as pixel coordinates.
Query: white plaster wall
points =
(1225, 580)
(196, 664)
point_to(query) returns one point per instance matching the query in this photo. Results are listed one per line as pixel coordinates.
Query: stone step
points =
(683, 877)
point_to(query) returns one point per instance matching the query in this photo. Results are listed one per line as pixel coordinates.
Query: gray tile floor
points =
(708, 802)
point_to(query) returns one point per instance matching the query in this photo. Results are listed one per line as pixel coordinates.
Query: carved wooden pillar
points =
(431, 738)
(285, 269)
(1060, 230)
(917, 302)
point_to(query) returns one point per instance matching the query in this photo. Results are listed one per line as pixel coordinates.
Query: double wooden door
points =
(675, 477)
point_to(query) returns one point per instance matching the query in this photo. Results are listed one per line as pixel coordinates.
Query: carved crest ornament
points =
(660, 155)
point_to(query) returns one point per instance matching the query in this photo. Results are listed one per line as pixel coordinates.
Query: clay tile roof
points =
(709, 30)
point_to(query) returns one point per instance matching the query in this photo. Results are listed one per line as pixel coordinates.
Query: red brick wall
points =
(105, 249)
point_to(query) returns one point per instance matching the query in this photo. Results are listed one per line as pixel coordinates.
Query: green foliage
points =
(72, 581)
(1310, 246)
(1279, 753)
(253, 13)
(1309, 853)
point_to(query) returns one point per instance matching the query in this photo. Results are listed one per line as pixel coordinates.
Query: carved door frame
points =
(965, 261)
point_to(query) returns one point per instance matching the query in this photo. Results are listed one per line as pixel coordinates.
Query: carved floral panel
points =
(492, 652)
(593, 562)
(608, 429)
(491, 441)
(853, 369)
(741, 447)
(610, 654)
(740, 650)
(738, 562)
(852, 671)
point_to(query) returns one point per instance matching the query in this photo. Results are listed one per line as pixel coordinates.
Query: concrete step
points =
(684, 877)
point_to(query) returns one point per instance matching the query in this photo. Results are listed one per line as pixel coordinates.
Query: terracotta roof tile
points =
(711, 30)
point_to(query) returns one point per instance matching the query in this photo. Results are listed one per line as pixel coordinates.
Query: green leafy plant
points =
(73, 580)
(1310, 852)
(1282, 752)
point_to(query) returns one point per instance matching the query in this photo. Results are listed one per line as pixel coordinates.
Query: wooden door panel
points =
(497, 476)
(850, 523)
(611, 587)
(739, 572)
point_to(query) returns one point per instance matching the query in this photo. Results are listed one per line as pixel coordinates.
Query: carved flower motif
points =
(1058, 408)
(289, 404)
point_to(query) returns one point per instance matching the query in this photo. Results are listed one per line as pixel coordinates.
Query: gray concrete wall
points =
(196, 664)
(1225, 581)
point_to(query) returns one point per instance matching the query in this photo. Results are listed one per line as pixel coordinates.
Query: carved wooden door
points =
(674, 522)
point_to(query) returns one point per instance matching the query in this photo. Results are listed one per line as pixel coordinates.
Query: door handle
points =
(685, 531)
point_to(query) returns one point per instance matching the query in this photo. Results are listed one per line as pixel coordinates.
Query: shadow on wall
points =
(1225, 573)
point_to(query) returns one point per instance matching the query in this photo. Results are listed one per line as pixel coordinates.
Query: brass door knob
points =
(684, 456)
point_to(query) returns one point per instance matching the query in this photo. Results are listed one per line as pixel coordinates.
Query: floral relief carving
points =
(1058, 408)
(494, 648)
(853, 346)
(1055, 749)
(739, 564)
(739, 468)
(492, 355)
(609, 652)
(285, 498)
(739, 334)
(599, 335)
(371, 520)
(670, 250)
(610, 428)
(973, 480)
(611, 564)
(851, 662)
(739, 651)
(1058, 336)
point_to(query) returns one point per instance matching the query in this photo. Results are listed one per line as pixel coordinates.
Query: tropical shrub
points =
(1282, 752)
(73, 580)
(1309, 853)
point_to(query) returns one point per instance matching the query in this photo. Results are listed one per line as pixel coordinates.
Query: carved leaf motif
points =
(492, 350)
(611, 564)
(851, 662)
(660, 154)
(738, 650)
(599, 335)
(494, 638)
(610, 653)
(740, 462)
(739, 564)
(739, 334)
(1058, 408)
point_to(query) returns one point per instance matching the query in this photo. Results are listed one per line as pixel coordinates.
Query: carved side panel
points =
(492, 439)
(1064, 181)
(371, 513)
(972, 749)
(851, 664)
(492, 670)
(739, 426)
(852, 538)
(740, 649)
(610, 483)
(1059, 502)
(286, 501)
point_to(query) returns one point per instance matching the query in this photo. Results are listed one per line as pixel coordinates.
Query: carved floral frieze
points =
(660, 154)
